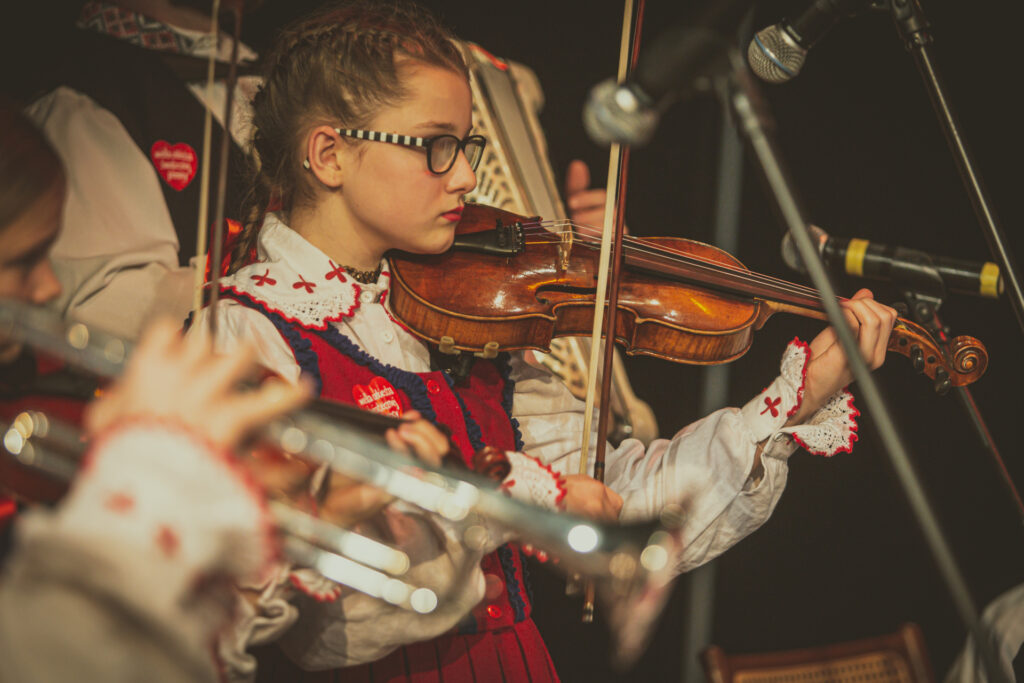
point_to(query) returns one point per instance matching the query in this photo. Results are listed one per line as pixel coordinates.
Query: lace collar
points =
(295, 279)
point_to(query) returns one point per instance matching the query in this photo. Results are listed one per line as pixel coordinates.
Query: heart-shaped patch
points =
(379, 396)
(176, 164)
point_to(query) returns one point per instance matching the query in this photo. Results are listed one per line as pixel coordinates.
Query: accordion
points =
(515, 175)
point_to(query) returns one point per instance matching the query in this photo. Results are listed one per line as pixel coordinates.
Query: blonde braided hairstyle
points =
(338, 66)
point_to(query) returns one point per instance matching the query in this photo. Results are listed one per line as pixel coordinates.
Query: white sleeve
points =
(125, 580)
(117, 246)
(1002, 622)
(238, 324)
(705, 468)
(351, 628)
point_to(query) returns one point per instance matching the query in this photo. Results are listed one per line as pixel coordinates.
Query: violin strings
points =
(672, 255)
(638, 249)
(639, 246)
(649, 247)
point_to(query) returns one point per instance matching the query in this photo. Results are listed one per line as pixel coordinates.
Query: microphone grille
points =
(615, 113)
(774, 56)
(790, 256)
(790, 253)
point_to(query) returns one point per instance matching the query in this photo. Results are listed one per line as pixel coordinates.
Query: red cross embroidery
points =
(771, 405)
(167, 540)
(264, 279)
(336, 271)
(119, 502)
(302, 283)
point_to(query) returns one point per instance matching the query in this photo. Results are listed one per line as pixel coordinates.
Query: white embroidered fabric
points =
(794, 366)
(832, 429)
(315, 585)
(164, 511)
(297, 278)
(769, 410)
(158, 486)
(531, 481)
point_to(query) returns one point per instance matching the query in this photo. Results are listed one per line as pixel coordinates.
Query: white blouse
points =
(705, 468)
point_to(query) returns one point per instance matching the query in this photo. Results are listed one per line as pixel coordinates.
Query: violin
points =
(511, 282)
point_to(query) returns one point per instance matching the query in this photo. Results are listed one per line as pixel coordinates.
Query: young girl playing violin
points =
(364, 142)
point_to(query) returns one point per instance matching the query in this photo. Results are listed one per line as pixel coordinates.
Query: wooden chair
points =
(898, 657)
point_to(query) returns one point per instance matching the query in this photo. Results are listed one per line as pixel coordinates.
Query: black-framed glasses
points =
(442, 150)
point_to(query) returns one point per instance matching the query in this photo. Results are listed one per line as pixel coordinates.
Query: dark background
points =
(842, 556)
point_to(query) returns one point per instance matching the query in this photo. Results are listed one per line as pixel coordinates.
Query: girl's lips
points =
(453, 215)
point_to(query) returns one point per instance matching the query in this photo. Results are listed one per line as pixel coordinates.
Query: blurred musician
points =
(125, 108)
(130, 577)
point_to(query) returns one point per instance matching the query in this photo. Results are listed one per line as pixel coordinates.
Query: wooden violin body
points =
(522, 302)
(542, 286)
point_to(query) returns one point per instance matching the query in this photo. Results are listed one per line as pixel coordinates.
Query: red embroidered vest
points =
(477, 411)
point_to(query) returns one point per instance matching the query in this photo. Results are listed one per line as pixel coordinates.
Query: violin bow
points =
(235, 7)
(204, 173)
(608, 282)
(217, 246)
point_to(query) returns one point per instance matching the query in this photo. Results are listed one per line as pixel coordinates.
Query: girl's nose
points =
(461, 179)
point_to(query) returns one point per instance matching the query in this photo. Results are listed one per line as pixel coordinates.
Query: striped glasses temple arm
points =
(377, 136)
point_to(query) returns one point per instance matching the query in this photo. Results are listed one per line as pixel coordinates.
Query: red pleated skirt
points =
(516, 653)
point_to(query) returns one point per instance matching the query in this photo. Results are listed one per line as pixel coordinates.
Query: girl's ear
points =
(324, 156)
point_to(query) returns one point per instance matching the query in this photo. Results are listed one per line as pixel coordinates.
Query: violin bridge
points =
(564, 248)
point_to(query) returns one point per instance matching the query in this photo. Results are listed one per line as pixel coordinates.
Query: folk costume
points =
(124, 110)
(129, 578)
(305, 314)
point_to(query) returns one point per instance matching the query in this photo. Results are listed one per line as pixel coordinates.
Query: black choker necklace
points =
(366, 277)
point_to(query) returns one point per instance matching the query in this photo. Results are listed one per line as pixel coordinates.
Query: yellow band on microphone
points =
(855, 256)
(990, 283)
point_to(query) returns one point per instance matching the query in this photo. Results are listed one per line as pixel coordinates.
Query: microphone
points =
(776, 54)
(905, 267)
(679, 60)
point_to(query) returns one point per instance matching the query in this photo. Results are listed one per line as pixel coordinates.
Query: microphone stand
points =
(916, 34)
(741, 98)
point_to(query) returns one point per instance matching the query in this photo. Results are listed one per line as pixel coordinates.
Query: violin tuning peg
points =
(917, 358)
(942, 382)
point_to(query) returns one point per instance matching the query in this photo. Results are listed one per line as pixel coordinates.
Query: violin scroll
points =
(969, 356)
(963, 363)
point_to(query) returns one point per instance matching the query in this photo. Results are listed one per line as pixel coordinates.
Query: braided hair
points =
(339, 65)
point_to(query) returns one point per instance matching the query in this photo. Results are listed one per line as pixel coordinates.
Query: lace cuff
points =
(531, 481)
(767, 413)
(315, 585)
(832, 429)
